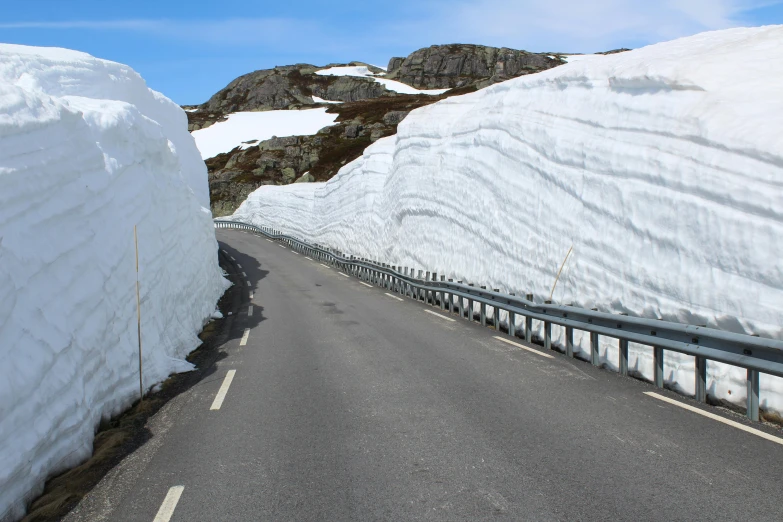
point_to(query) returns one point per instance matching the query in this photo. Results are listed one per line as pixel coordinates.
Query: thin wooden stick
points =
(138, 313)
(558, 273)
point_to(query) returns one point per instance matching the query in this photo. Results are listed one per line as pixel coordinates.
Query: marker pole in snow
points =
(138, 312)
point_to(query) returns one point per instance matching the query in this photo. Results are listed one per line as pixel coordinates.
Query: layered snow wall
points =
(662, 167)
(87, 151)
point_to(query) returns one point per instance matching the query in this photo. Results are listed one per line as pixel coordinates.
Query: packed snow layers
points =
(241, 127)
(87, 151)
(662, 167)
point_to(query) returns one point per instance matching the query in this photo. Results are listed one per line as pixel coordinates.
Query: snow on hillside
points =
(87, 151)
(364, 72)
(663, 167)
(243, 127)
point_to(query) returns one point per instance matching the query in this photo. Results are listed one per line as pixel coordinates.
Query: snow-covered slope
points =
(248, 126)
(663, 167)
(87, 151)
(364, 72)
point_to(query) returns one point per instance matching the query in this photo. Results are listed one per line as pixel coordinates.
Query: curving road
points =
(349, 404)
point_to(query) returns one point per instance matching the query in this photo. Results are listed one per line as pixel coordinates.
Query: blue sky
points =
(190, 50)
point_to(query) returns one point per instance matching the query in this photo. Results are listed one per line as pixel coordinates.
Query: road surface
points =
(345, 403)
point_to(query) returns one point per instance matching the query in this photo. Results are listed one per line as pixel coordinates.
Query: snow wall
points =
(87, 151)
(662, 167)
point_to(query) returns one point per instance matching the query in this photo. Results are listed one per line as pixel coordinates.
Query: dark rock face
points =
(460, 65)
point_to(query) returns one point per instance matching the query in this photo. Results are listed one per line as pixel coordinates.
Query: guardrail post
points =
(512, 321)
(701, 379)
(496, 313)
(547, 335)
(483, 311)
(594, 348)
(461, 303)
(418, 290)
(753, 395)
(442, 294)
(569, 340)
(427, 293)
(470, 307)
(529, 322)
(623, 357)
(450, 307)
(658, 360)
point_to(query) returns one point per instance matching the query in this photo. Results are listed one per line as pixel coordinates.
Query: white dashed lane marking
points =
(523, 347)
(243, 341)
(392, 296)
(438, 315)
(748, 429)
(221, 394)
(344, 275)
(169, 504)
(250, 311)
(323, 265)
(365, 284)
(239, 266)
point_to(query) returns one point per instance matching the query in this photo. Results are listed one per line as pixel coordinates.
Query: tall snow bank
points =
(663, 167)
(86, 152)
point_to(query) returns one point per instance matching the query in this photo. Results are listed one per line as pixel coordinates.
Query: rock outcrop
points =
(287, 87)
(461, 65)
(299, 159)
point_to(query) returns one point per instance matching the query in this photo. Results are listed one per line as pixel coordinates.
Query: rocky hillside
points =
(368, 112)
(458, 65)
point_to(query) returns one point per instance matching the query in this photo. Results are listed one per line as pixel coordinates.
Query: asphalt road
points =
(347, 404)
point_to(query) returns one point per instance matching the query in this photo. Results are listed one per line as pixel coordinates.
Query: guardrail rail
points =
(755, 354)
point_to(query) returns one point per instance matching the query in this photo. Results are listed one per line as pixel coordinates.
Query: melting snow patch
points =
(363, 71)
(244, 127)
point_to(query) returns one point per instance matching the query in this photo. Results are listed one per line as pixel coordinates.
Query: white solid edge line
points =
(365, 284)
(327, 266)
(221, 394)
(310, 258)
(270, 240)
(438, 315)
(169, 504)
(281, 246)
(344, 275)
(243, 341)
(718, 418)
(522, 346)
(250, 310)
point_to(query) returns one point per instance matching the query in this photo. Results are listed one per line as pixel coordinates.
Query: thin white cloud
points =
(554, 25)
(232, 31)
(574, 25)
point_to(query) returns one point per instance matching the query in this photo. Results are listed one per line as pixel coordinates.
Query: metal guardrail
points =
(755, 354)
